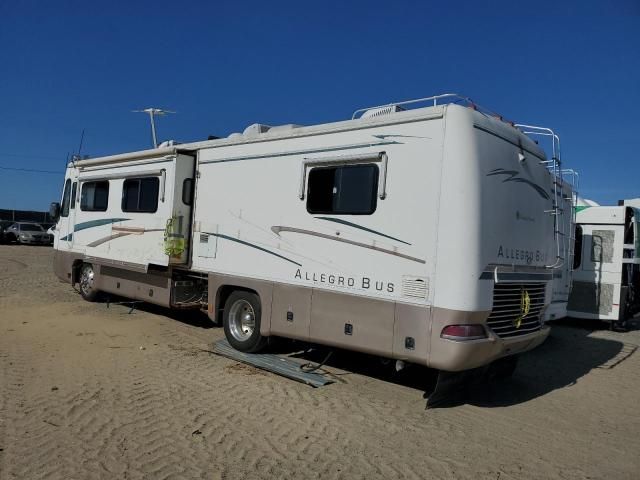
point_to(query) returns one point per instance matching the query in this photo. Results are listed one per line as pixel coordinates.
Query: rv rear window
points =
(140, 194)
(344, 190)
(94, 196)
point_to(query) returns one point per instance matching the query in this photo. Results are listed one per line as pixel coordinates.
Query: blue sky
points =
(68, 66)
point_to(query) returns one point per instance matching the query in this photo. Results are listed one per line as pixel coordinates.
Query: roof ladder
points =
(557, 203)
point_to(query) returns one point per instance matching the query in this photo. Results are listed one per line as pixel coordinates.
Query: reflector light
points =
(463, 332)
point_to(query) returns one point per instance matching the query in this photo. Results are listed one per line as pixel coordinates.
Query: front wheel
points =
(241, 321)
(87, 282)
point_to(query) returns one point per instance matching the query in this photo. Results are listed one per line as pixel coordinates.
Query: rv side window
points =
(94, 196)
(74, 191)
(64, 211)
(345, 190)
(140, 194)
(577, 253)
(187, 191)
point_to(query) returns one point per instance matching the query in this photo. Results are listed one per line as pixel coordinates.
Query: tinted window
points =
(74, 191)
(187, 191)
(94, 196)
(140, 194)
(577, 253)
(64, 211)
(347, 190)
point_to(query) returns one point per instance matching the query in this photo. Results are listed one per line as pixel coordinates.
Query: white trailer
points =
(606, 277)
(424, 235)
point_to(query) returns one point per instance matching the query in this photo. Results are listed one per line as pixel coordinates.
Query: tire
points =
(241, 321)
(87, 283)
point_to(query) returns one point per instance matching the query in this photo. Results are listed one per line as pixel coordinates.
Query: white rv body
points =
(458, 233)
(606, 278)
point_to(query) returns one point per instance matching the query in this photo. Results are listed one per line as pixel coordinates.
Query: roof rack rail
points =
(434, 100)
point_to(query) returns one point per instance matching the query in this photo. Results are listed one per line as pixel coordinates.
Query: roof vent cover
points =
(255, 129)
(381, 111)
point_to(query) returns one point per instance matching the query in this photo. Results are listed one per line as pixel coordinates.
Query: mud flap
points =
(453, 387)
(620, 325)
(502, 368)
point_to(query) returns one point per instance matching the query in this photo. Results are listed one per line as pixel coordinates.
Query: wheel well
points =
(225, 291)
(75, 271)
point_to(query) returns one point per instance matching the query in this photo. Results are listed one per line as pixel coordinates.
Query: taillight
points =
(463, 332)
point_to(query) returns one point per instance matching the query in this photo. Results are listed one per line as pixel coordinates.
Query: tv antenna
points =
(152, 114)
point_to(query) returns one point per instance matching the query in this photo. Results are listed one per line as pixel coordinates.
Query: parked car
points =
(4, 224)
(27, 233)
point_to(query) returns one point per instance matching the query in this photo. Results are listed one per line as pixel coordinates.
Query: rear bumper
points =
(456, 356)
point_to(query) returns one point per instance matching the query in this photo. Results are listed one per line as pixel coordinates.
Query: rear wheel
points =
(241, 321)
(87, 282)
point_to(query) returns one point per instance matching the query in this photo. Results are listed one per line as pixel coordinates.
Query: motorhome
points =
(419, 233)
(606, 277)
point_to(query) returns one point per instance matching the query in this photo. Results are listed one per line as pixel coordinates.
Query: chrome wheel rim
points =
(242, 320)
(86, 279)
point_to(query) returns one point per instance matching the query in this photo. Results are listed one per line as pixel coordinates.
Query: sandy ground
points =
(89, 392)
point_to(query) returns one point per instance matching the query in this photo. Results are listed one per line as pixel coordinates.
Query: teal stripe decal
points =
(354, 225)
(91, 224)
(242, 242)
(97, 223)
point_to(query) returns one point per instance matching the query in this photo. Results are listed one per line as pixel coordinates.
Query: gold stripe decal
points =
(277, 229)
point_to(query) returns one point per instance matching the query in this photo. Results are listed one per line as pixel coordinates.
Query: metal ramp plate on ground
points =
(277, 364)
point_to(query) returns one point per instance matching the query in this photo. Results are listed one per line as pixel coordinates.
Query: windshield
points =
(31, 227)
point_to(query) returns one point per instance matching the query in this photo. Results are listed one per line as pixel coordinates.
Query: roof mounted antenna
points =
(152, 114)
(79, 155)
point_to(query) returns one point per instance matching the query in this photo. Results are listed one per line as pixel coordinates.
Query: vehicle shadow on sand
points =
(568, 354)
(192, 317)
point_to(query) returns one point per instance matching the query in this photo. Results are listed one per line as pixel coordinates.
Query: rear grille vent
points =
(415, 287)
(516, 309)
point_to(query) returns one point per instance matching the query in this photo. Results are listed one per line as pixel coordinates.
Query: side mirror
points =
(54, 210)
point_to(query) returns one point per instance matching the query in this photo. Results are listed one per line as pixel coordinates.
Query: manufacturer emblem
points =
(525, 307)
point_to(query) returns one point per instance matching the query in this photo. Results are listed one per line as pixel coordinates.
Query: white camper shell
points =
(424, 235)
(606, 277)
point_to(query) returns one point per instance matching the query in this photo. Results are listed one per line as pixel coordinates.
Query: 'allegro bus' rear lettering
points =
(364, 283)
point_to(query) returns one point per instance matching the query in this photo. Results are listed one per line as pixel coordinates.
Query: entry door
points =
(66, 222)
